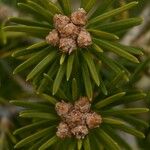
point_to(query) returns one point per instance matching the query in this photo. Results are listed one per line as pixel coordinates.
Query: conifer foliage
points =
(84, 90)
(43, 56)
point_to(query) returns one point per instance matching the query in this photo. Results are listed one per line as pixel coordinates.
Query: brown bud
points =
(84, 39)
(63, 108)
(53, 38)
(70, 30)
(75, 118)
(60, 21)
(80, 131)
(93, 120)
(63, 131)
(79, 17)
(83, 105)
(67, 45)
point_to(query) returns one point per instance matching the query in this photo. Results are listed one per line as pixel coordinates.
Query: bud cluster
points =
(77, 119)
(69, 32)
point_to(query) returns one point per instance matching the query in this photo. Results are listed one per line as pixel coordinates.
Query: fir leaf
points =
(139, 69)
(79, 144)
(59, 77)
(53, 8)
(37, 114)
(31, 49)
(134, 121)
(66, 6)
(131, 98)
(32, 60)
(119, 139)
(41, 10)
(120, 25)
(125, 111)
(88, 5)
(97, 48)
(36, 145)
(129, 130)
(49, 143)
(34, 137)
(111, 13)
(38, 32)
(72, 145)
(132, 50)
(102, 86)
(62, 58)
(49, 98)
(70, 65)
(87, 81)
(28, 22)
(111, 47)
(109, 62)
(95, 142)
(42, 65)
(102, 7)
(89, 60)
(52, 72)
(86, 144)
(119, 77)
(109, 100)
(112, 121)
(74, 89)
(108, 140)
(60, 93)
(34, 12)
(30, 105)
(30, 127)
(103, 35)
